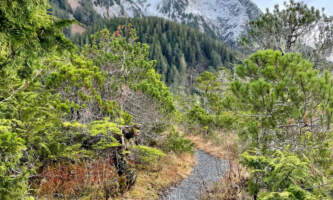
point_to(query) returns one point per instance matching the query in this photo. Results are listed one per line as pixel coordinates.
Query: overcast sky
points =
(327, 4)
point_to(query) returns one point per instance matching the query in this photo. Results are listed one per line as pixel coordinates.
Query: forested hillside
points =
(180, 51)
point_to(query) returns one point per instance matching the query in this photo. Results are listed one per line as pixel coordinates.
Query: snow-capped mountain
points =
(226, 19)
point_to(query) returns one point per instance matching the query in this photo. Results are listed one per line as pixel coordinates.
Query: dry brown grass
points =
(223, 146)
(151, 183)
(71, 180)
(91, 181)
(231, 187)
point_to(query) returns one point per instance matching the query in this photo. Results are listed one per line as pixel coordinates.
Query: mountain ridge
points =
(222, 19)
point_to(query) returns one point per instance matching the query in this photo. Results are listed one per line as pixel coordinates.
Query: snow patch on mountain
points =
(315, 36)
(226, 19)
(330, 58)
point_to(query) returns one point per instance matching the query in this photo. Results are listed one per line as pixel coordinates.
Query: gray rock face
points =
(225, 19)
(207, 171)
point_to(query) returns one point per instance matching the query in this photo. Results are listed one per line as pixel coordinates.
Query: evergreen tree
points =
(296, 28)
(286, 105)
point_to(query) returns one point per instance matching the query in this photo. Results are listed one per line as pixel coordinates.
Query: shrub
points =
(198, 115)
(177, 143)
(146, 155)
(13, 177)
(225, 120)
(282, 175)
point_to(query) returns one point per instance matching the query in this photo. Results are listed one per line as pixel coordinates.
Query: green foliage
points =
(13, 184)
(130, 61)
(146, 155)
(106, 129)
(285, 104)
(103, 127)
(282, 91)
(226, 120)
(197, 115)
(208, 83)
(213, 91)
(210, 89)
(156, 89)
(91, 139)
(28, 35)
(28, 31)
(283, 176)
(176, 142)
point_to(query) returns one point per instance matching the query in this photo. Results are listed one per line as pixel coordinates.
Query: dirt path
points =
(207, 171)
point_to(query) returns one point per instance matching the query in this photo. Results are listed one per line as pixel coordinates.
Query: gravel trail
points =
(207, 171)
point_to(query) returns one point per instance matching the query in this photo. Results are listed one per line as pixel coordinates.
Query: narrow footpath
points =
(207, 171)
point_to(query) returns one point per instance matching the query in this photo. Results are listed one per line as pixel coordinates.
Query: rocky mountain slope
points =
(223, 19)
